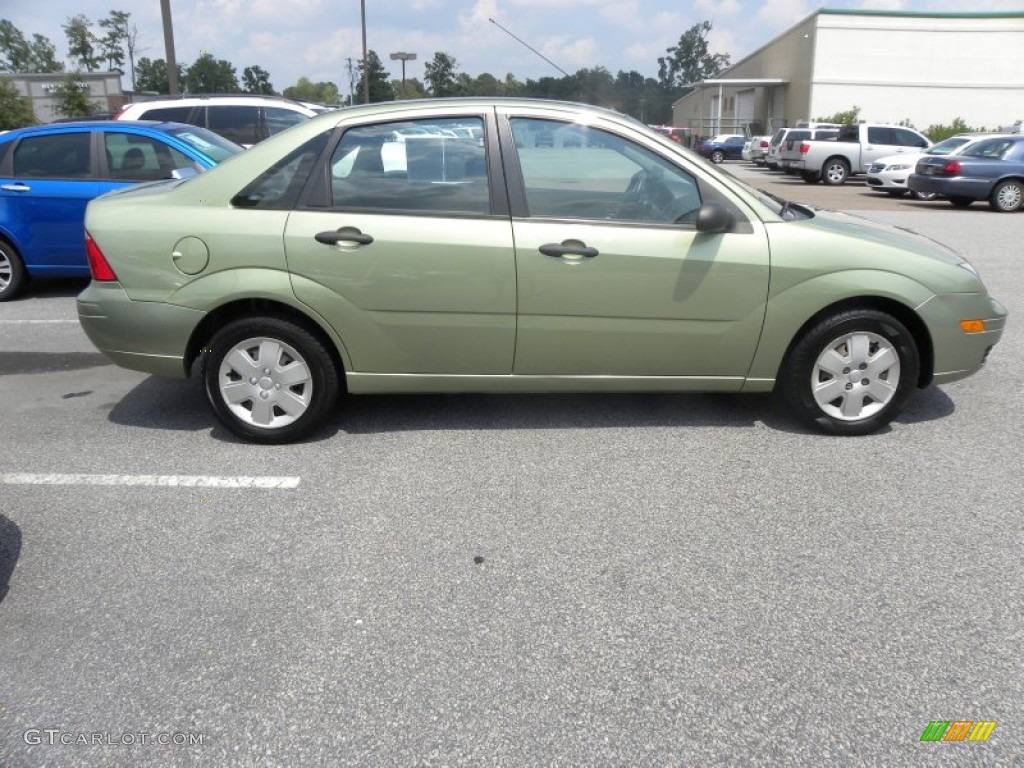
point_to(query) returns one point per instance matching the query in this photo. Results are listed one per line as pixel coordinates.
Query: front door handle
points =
(16, 188)
(343, 235)
(568, 248)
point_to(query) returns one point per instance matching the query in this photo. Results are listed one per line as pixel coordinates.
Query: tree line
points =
(113, 41)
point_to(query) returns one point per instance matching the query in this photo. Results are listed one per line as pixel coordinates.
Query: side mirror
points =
(714, 218)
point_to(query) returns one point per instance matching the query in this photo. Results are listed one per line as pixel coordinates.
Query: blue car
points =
(991, 169)
(724, 146)
(49, 173)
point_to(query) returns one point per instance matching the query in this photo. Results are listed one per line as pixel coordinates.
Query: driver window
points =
(572, 171)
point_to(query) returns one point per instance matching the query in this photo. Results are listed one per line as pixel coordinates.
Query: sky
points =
(313, 38)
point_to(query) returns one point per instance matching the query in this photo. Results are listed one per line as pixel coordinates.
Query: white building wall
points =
(925, 69)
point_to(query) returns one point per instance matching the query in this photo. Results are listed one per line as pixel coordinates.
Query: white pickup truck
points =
(833, 161)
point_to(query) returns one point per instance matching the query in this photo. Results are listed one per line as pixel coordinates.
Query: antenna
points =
(549, 61)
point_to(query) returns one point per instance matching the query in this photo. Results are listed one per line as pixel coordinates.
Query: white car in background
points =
(889, 174)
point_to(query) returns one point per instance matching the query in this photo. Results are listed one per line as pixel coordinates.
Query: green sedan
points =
(470, 245)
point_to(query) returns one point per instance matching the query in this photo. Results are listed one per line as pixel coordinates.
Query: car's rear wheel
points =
(835, 171)
(269, 380)
(717, 156)
(12, 272)
(1007, 196)
(851, 373)
(961, 202)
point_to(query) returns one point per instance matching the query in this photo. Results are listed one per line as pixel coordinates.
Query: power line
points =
(549, 61)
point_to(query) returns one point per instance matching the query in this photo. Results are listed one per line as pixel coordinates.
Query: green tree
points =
(19, 55)
(112, 44)
(151, 75)
(842, 118)
(380, 80)
(73, 97)
(15, 108)
(82, 42)
(210, 75)
(411, 89)
(306, 90)
(689, 61)
(256, 79)
(440, 74)
(485, 84)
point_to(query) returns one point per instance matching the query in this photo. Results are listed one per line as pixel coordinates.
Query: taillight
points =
(804, 147)
(98, 265)
(953, 168)
(764, 144)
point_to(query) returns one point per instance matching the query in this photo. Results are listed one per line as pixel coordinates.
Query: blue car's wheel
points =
(12, 272)
(717, 156)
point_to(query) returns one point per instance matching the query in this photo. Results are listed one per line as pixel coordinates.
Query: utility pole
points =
(172, 62)
(366, 64)
(351, 81)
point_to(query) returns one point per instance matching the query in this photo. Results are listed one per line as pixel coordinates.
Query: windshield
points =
(947, 146)
(212, 145)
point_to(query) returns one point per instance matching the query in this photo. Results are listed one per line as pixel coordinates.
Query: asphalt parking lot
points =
(521, 580)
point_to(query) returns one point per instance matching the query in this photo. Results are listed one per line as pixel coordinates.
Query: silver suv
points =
(244, 120)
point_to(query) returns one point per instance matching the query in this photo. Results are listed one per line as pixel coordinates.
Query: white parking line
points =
(184, 481)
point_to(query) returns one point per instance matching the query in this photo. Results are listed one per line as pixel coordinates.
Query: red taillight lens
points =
(764, 144)
(804, 147)
(121, 111)
(953, 168)
(101, 271)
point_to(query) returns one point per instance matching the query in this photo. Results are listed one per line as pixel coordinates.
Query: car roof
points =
(118, 126)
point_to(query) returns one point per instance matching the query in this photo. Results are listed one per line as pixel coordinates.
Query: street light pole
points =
(172, 62)
(366, 64)
(403, 57)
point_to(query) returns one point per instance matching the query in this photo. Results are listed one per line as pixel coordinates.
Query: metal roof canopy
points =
(737, 82)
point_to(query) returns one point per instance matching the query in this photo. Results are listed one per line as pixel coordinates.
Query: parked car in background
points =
(49, 173)
(771, 158)
(501, 266)
(991, 169)
(853, 151)
(724, 146)
(682, 136)
(758, 149)
(245, 120)
(890, 174)
(789, 147)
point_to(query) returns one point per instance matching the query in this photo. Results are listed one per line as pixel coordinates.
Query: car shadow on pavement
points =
(171, 404)
(10, 550)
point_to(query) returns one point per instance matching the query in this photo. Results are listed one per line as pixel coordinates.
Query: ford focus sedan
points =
(48, 173)
(334, 257)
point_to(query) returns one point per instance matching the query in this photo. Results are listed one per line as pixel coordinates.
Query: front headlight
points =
(970, 268)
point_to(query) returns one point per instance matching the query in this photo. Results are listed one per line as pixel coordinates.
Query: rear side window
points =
(906, 138)
(412, 166)
(140, 158)
(60, 156)
(279, 187)
(881, 136)
(279, 119)
(236, 122)
(170, 114)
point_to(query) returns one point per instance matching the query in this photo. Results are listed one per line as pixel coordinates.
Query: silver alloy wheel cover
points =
(6, 271)
(835, 172)
(269, 389)
(1008, 197)
(855, 376)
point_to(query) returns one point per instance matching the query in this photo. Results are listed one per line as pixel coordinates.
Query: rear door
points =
(46, 181)
(405, 246)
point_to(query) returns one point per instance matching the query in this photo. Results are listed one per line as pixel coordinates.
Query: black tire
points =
(718, 156)
(297, 371)
(1007, 196)
(810, 177)
(835, 171)
(12, 272)
(772, 166)
(961, 202)
(859, 408)
(924, 195)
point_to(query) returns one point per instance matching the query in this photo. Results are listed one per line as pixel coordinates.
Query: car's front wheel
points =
(718, 156)
(269, 380)
(12, 272)
(851, 373)
(1007, 197)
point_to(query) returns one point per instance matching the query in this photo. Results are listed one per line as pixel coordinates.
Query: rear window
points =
(236, 122)
(209, 143)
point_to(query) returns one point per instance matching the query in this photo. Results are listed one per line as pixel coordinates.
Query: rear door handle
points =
(16, 188)
(568, 248)
(343, 235)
